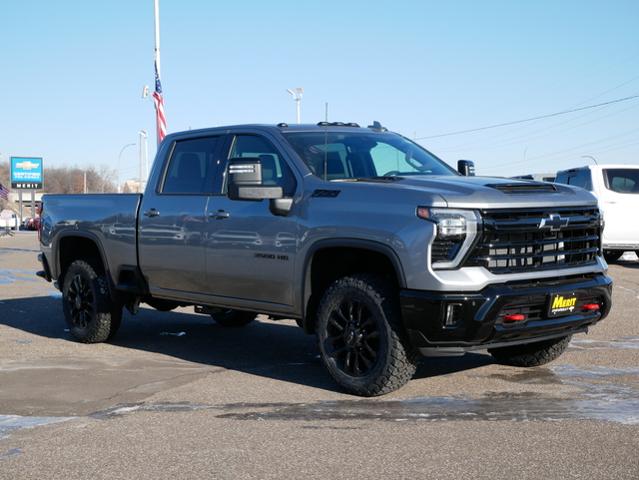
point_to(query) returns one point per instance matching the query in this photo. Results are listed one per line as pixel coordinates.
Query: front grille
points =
(512, 240)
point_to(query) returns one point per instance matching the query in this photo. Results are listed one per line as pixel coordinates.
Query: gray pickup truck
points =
(366, 239)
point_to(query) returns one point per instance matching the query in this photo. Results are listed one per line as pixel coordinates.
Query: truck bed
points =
(111, 219)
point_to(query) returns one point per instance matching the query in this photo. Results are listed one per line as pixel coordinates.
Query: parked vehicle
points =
(8, 220)
(365, 238)
(541, 177)
(617, 189)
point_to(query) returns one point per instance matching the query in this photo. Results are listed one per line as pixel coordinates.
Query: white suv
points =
(617, 189)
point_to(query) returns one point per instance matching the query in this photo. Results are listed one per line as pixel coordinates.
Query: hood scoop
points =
(524, 187)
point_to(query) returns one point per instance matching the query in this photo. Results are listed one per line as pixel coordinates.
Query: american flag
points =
(4, 193)
(160, 119)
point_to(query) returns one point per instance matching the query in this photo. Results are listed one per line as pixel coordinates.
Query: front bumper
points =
(477, 321)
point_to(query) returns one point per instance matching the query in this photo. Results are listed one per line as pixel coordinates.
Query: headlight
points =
(455, 232)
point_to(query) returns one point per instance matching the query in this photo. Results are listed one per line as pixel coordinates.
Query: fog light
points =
(514, 317)
(453, 311)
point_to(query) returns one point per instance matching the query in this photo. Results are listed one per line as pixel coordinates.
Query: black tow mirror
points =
(466, 168)
(245, 181)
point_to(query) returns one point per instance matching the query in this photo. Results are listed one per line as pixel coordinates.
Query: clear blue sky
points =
(71, 74)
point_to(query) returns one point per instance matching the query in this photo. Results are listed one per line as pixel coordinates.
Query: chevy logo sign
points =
(26, 173)
(27, 165)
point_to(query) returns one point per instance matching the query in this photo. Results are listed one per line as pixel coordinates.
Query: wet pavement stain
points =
(623, 343)
(11, 453)
(12, 275)
(11, 423)
(527, 406)
(600, 396)
(123, 409)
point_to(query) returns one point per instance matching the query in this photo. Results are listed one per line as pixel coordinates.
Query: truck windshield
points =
(622, 180)
(344, 156)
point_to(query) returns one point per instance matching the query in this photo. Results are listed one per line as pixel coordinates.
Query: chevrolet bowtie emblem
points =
(554, 222)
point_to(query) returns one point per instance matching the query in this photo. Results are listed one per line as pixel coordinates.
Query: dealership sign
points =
(26, 173)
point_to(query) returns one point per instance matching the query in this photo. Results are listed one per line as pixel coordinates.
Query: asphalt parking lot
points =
(176, 396)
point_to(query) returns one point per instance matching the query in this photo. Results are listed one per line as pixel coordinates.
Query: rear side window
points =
(190, 169)
(576, 178)
(622, 180)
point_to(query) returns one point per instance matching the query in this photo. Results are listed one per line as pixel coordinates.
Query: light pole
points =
(120, 158)
(297, 93)
(590, 157)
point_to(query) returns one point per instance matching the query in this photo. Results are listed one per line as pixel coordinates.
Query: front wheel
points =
(531, 354)
(361, 340)
(91, 314)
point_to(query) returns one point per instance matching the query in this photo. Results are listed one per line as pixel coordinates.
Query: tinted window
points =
(562, 177)
(275, 171)
(191, 167)
(336, 156)
(622, 180)
(581, 178)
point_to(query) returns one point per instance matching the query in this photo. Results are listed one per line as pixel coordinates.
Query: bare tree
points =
(70, 179)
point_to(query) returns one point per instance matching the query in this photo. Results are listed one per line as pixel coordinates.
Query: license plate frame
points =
(561, 304)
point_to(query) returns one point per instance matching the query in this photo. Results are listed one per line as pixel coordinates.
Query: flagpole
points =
(156, 4)
(156, 8)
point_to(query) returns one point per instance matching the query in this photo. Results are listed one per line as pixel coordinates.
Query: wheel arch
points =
(338, 249)
(84, 245)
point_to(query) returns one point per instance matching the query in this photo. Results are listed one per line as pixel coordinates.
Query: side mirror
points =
(245, 181)
(466, 168)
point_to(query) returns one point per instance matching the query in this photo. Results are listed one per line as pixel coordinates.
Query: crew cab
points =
(366, 239)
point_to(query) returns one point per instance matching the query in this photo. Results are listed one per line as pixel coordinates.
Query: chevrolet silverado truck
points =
(365, 238)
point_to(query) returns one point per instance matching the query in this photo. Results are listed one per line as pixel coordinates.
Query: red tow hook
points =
(591, 307)
(514, 317)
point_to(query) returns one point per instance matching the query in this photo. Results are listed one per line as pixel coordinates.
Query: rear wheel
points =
(232, 318)
(531, 354)
(90, 313)
(361, 340)
(612, 256)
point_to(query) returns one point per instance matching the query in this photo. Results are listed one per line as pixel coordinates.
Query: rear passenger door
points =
(250, 252)
(173, 217)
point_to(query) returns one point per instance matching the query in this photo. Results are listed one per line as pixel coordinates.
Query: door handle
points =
(220, 215)
(152, 213)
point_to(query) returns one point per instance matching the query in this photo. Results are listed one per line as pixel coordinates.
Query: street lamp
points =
(297, 93)
(590, 157)
(120, 158)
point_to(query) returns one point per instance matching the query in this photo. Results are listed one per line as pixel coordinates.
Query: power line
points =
(531, 119)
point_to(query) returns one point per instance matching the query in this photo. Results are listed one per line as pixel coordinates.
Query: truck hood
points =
(492, 192)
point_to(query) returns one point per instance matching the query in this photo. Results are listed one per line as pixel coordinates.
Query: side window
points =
(582, 179)
(191, 167)
(275, 170)
(562, 177)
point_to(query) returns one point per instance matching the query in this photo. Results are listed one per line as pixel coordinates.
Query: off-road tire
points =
(612, 256)
(233, 318)
(395, 362)
(103, 315)
(531, 354)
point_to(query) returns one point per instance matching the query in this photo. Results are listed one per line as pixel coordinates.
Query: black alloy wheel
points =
(353, 336)
(80, 300)
(90, 311)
